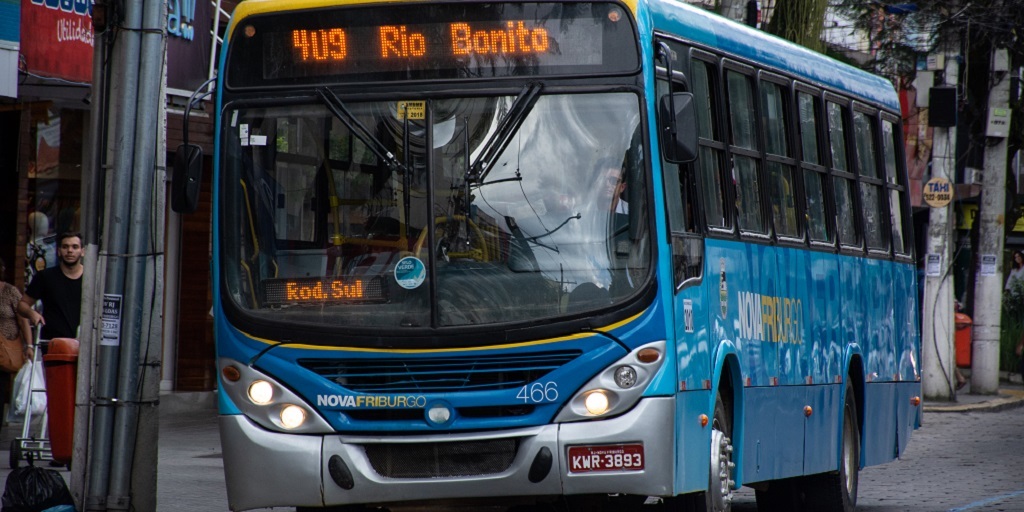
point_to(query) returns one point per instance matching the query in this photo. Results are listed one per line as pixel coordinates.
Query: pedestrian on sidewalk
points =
(12, 327)
(60, 290)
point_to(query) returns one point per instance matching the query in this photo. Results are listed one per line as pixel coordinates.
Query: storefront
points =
(45, 123)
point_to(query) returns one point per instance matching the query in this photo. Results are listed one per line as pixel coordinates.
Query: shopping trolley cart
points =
(31, 447)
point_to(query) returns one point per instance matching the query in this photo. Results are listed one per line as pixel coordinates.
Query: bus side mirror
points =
(678, 128)
(188, 174)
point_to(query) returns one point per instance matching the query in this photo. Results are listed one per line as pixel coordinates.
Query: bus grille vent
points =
(406, 375)
(441, 460)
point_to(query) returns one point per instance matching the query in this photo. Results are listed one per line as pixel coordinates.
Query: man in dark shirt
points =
(60, 289)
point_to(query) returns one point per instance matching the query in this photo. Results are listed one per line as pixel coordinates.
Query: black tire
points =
(836, 491)
(15, 455)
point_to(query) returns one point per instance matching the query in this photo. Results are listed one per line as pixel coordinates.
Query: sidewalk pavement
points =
(1010, 394)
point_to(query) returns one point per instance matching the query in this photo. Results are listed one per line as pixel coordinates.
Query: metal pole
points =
(92, 189)
(139, 252)
(125, 86)
(938, 381)
(988, 283)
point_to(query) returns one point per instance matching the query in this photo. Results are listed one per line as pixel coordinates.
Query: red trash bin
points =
(963, 340)
(61, 366)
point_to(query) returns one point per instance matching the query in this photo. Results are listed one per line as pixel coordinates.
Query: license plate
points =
(611, 457)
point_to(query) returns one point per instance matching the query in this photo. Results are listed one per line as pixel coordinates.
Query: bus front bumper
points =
(265, 469)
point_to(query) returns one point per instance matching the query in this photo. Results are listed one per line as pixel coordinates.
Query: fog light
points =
(439, 414)
(597, 402)
(292, 416)
(261, 392)
(625, 377)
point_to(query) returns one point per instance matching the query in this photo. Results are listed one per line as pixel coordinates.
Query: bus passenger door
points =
(690, 333)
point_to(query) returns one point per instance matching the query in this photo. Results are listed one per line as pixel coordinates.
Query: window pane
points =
(741, 111)
(889, 151)
(782, 196)
(837, 136)
(869, 195)
(808, 128)
(865, 136)
(709, 163)
(896, 211)
(702, 97)
(844, 211)
(817, 226)
(774, 119)
(748, 198)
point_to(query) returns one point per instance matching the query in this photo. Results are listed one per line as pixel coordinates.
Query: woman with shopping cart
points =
(12, 327)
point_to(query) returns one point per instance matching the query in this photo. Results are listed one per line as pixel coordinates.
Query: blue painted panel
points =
(795, 355)
(10, 20)
(908, 416)
(822, 435)
(693, 441)
(773, 432)
(878, 441)
(822, 347)
(692, 347)
(740, 40)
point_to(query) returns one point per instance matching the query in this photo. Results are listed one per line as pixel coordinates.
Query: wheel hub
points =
(722, 466)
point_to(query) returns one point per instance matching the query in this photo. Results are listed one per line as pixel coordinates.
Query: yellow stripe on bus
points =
(559, 339)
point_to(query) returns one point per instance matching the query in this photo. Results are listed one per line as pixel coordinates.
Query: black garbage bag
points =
(34, 489)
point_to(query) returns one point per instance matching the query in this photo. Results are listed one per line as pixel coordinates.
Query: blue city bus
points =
(555, 253)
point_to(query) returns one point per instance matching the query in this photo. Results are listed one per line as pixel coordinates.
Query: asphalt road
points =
(957, 461)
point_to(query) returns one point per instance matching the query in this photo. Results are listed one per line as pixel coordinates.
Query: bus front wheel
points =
(719, 496)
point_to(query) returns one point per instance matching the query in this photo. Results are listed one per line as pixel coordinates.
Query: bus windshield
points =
(389, 215)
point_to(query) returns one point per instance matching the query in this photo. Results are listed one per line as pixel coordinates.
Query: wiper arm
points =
(337, 107)
(507, 127)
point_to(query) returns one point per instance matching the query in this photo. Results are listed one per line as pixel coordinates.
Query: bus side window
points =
(813, 170)
(897, 193)
(842, 179)
(711, 153)
(870, 183)
(745, 156)
(779, 162)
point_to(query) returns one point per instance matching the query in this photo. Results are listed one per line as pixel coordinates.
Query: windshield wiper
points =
(337, 107)
(507, 127)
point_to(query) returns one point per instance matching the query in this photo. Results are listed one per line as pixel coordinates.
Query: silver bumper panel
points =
(274, 469)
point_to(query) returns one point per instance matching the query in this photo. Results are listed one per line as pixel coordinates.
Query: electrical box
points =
(942, 107)
(1000, 60)
(923, 83)
(935, 62)
(998, 122)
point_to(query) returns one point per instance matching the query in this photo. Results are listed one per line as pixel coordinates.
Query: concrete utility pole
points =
(988, 283)
(938, 381)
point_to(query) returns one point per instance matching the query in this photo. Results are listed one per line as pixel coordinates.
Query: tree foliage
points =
(799, 21)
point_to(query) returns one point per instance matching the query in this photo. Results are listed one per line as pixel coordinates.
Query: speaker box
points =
(942, 107)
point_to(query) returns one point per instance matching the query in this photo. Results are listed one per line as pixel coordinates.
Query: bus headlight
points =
(266, 402)
(625, 377)
(596, 402)
(292, 417)
(618, 387)
(261, 392)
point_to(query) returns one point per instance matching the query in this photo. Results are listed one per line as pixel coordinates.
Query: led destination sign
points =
(315, 290)
(401, 42)
(431, 41)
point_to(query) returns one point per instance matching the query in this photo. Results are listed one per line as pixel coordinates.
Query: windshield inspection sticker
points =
(410, 272)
